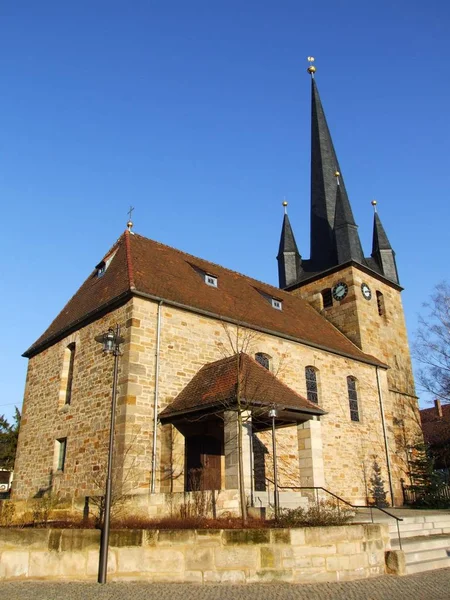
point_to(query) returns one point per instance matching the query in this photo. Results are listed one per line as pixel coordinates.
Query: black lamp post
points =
(111, 341)
(273, 413)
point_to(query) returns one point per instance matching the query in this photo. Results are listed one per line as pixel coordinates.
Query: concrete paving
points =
(434, 585)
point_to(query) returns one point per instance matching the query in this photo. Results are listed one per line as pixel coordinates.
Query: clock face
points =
(365, 289)
(340, 290)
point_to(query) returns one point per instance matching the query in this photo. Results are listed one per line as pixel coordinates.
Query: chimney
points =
(438, 407)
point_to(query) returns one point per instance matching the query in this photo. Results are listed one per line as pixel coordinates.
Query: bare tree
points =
(432, 344)
(239, 340)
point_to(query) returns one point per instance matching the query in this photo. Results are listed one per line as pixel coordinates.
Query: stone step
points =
(422, 543)
(428, 565)
(425, 555)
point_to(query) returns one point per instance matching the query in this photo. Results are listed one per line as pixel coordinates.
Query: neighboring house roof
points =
(147, 268)
(436, 424)
(216, 384)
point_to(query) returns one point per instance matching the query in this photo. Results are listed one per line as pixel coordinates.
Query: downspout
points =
(156, 397)
(383, 422)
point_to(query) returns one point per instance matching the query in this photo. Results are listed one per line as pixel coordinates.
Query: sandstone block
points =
(149, 560)
(231, 576)
(14, 563)
(234, 557)
(93, 561)
(199, 558)
(337, 563)
(298, 537)
(395, 562)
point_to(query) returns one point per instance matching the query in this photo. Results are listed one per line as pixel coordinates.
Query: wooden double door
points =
(203, 463)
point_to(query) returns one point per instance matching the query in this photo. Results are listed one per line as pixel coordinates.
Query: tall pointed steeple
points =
(289, 259)
(324, 165)
(348, 244)
(382, 250)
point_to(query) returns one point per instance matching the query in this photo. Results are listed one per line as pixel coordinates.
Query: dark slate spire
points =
(382, 250)
(289, 259)
(348, 245)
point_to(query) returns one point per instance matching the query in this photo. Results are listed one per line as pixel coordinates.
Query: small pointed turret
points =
(348, 244)
(289, 259)
(382, 250)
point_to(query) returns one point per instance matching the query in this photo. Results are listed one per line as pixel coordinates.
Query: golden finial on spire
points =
(285, 206)
(337, 175)
(311, 69)
(130, 222)
(374, 204)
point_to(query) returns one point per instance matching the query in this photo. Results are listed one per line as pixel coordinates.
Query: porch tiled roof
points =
(216, 385)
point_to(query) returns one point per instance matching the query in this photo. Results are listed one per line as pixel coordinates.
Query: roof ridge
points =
(129, 260)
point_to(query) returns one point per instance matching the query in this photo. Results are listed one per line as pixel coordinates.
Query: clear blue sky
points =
(198, 114)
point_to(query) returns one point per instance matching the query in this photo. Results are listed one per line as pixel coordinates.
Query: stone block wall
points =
(199, 556)
(84, 423)
(188, 341)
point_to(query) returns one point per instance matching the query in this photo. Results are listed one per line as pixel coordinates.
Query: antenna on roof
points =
(130, 222)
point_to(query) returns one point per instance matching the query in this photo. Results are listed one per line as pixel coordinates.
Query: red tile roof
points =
(436, 429)
(145, 267)
(215, 384)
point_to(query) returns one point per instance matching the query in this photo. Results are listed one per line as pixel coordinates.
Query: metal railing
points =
(426, 496)
(339, 499)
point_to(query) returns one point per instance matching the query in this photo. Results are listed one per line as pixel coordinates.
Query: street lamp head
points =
(273, 413)
(110, 341)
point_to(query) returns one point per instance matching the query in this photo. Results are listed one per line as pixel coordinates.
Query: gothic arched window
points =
(312, 391)
(263, 359)
(353, 398)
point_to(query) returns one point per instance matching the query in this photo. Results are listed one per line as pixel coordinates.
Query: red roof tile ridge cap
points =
(255, 362)
(129, 260)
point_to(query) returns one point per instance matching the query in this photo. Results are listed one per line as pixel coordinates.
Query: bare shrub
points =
(7, 513)
(320, 514)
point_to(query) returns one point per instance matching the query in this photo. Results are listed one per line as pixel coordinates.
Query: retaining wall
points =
(200, 556)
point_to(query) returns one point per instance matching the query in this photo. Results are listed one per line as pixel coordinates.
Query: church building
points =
(212, 361)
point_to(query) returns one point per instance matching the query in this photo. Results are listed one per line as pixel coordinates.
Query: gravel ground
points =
(433, 585)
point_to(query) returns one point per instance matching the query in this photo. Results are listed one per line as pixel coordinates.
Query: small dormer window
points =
(210, 280)
(104, 264)
(276, 304)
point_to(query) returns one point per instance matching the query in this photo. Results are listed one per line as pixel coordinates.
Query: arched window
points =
(263, 359)
(353, 398)
(327, 298)
(312, 391)
(380, 304)
(69, 357)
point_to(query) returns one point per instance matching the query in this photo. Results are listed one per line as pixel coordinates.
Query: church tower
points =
(360, 295)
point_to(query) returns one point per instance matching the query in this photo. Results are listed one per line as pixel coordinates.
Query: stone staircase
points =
(425, 537)
(288, 499)
(425, 534)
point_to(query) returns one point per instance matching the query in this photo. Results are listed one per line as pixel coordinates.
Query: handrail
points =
(397, 519)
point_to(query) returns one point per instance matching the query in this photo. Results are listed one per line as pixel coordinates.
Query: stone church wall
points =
(187, 342)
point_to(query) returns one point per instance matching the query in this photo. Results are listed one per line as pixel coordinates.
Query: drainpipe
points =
(156, 396)
(388, 462)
